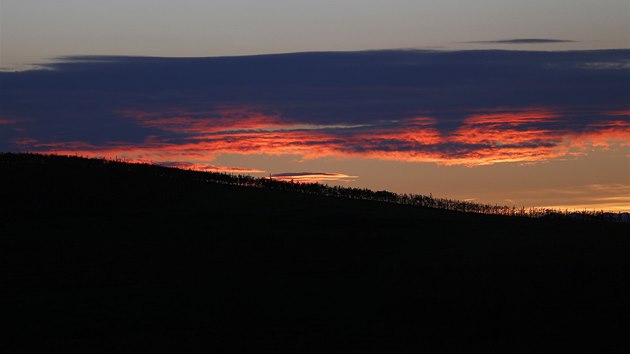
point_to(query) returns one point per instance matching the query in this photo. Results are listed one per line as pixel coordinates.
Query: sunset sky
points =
(523, 103)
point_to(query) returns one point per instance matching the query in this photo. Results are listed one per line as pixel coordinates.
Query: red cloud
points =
(501, 129)
(523, 135)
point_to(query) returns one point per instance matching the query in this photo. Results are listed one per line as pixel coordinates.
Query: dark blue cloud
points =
(89, 99)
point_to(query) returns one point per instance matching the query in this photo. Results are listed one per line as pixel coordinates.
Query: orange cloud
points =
(512, 118)
(501, 129)
(602, 135)
(519, 135)
(412, 131)
(313, 177)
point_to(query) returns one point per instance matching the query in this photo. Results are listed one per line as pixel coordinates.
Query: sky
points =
(32, 31)
(523, 103)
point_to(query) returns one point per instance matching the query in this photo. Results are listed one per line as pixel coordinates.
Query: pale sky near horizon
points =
(32, 31)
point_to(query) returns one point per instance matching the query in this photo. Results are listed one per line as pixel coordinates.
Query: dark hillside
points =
(110, 257)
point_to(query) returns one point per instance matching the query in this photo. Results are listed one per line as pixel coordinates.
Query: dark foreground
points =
(149, 259)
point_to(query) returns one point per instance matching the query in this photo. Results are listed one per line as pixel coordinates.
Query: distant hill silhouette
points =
(105, 257)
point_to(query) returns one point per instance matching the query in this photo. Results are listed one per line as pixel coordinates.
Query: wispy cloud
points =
(611, 197)
(222, 120)
(621, 65)
(196, 166)
(313, 177)
(524, 41)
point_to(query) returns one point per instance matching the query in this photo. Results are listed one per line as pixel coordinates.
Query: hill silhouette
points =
(104, 256)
